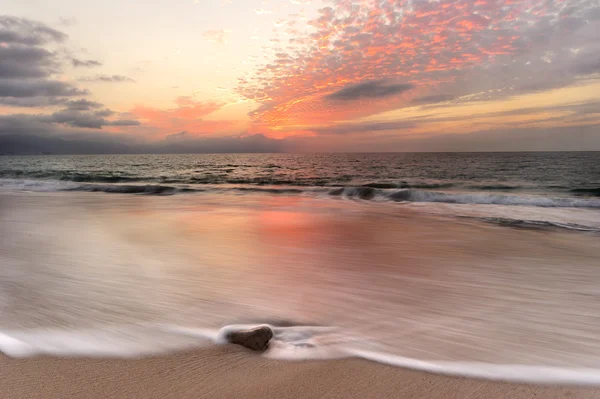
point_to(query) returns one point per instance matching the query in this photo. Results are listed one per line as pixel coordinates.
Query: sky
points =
(299, 75)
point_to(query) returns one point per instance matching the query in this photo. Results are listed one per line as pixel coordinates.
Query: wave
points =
(587, 191)
(132, 189)
(288, 343)
(410, 195)
(171, 190)
(219, 176)
(69, 176)
(269, 190)
(534, 224)
(410, 185)
(365, 193)
(433, 186)
(494, 187)
(360, 192)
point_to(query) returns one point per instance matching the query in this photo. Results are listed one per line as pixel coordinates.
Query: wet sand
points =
(233, 372)
(469, 292)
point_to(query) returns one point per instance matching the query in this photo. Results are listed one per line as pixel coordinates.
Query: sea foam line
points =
(533, 374)
(289, 343)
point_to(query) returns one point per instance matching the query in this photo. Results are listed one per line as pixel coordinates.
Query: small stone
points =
(256, 339)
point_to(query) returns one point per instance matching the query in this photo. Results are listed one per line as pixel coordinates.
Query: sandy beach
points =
(93, 279)
(234, 372)
(300, 199)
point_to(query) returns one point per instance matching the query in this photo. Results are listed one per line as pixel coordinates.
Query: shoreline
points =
(230, 371)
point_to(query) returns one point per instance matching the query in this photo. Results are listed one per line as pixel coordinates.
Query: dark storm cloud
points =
(38, 88)
(77, 63)
(106, 78)
(369, 90)
(22, 31)
(26, 62)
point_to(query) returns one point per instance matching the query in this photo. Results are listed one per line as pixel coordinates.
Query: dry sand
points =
(233, 372)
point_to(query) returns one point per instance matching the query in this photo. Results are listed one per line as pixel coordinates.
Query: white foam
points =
(13, 347)
(35, 185)
(492, 199)
(288, 343)
(322, 343)
(506, 372)
(125, 341)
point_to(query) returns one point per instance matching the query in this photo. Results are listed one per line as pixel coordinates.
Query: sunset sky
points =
(302, 75)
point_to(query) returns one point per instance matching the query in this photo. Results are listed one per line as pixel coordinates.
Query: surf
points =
(295, 343)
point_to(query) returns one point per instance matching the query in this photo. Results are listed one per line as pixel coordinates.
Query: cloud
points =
(87, 120)
(27, 134)
(28, 79)
(78, 119)
(117, 144)
(77, 63)
(123, 122)
(26, 62)
(29, 124)
(106, 78)
(104, 113)
(27, 70)
(349, 128)
(22, 31)
(35, 134)
(189, 115)
(261, 11)
(432, 99)
(82, 105)
(38, 88)
(491, 49)
(217, 36)
(369, 90)
(31, 102)
(184, 142)
(67, 21)
(557, 138)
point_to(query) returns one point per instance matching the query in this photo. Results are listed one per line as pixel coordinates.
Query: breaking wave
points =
(410, 195)
(535, 224)
(587, 191)
(366, 192)
(133, 189)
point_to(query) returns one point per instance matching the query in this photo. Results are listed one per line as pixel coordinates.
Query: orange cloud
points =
(428, 45)
(187, 117)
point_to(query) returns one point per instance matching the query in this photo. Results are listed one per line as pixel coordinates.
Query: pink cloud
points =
(430, 45)
(188, 116)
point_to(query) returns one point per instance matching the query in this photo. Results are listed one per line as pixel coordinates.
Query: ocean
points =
(475, 264)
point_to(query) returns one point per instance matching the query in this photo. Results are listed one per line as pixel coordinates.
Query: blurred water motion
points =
(402, 279)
